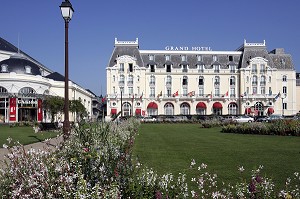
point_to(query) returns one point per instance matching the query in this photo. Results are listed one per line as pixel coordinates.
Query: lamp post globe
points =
(67, 13)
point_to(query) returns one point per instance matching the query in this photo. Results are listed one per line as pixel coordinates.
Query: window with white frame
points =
(217, 68)
(151, 57)
(199, 58)
(284, 78)
(169, 80)
(201, 68)
(201, 81)
(284, 89)
(232, 92)
(254, 68)
(232, 81)
(152, 92)
(121, 67)
(122, 79)
(183, 57)
(152, 80)
(169, 109)
(232, 68)
(254, 80)
(254, 90)
(130, 79)
(28, 69)
(185, 81)
(130, 90)
(270, 90)
(184, 109)
(167, 57)
(215, 58)
(217, 81)
(201, 91)
(184, 91)
(262, 90)
(232, 109)
(217, 92)
(4, 68)
(262, 68)
(262, 80)
(284, 105)
(169, 92)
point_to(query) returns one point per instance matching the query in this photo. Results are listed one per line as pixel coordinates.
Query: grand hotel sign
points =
(186, 48)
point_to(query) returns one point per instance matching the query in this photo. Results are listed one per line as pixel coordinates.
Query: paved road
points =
(39, 145)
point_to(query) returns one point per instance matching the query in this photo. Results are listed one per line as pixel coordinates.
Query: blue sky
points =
(219, 24)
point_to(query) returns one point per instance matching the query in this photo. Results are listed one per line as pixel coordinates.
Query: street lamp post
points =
(282, 103)
(67, 12)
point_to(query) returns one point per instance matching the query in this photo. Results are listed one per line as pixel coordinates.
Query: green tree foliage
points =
(77, 107)
(54, 105)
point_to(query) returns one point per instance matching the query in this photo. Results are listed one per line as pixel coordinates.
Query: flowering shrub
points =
(278, 127)
(96, 162)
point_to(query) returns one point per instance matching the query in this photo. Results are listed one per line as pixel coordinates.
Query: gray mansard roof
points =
(277, 58)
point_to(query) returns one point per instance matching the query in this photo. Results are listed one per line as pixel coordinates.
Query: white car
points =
(243, 118)
(148, 119)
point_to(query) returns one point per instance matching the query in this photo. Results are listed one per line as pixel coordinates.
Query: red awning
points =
(270, 110)
(201, 105)
(152, 105)
(217, 105)
(138, 111)
(247, 110)
(113, 111)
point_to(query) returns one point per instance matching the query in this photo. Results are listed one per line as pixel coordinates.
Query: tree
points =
(54, 105)
(77, 107)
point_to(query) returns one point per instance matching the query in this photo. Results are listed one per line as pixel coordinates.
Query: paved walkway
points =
(39, 145)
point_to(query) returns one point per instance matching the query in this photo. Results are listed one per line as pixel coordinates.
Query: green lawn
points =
(25, 135)
(170, 148)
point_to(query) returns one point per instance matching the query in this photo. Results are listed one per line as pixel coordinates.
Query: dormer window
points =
(199, 58)
(230, 58)
(28, 69)
(4, 68)
(151, 57)
(152, 68)
(284, 78)
(183, 57)
(167, 57)
(215, 58)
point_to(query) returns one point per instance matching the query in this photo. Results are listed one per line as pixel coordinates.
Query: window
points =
(200, 68)
(232, 109)
(169, 80)
(263, 80)
(131, 68)
(167, 57)
(121, 79)
(201, 91)
(201, 81)
(230, 58)
(259, 108)
(185, 81)
(183, 57)
(262, 90)
(130, 90)
(3, 90)
(152, 92)
(130, 80)
(270, 79)
(184, 91)
(232, 68)
(151, 57)
(217, 81)
(284, 78)
(270, 90)
(217, 68)
(169, 109)
(168, 68)
(169, 93)
(4, 68)
(121, 67)
(284, 89)
(114, 89)
(28, 69)
(284, 105)
(138, 78)
(114, 78)
(184, 109)
(247, 79)
(215, 58)
(262, 68)
(254, 90)
(199, 57)
(126, 109)
(184, 68)
(254, 80)
(232, 81)
(254, 68)
(27, 91)
(247, 90)
(232, 92)
(152, 80)
(217, 92)
(152, 68)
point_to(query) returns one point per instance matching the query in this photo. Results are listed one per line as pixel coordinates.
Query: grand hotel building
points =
(181, 81)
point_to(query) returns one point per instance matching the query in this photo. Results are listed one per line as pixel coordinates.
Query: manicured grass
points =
(171, 147)
(25, 135)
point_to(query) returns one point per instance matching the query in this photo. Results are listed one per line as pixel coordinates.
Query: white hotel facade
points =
(190, 81)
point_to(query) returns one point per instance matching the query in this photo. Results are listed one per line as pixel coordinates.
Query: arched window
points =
(284, 90)
(201, 108)
(27, 91)
(217, 108)
(201, 81)
(152, 108)
(284, 78)
(263, 80)
(184, 81)
(3, 90)
(126, 108)
(232, 108)
(169, 109)
(258, 109)
(254, 80)
(184, 109)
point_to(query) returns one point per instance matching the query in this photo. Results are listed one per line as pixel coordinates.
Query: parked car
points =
(261, 119)
(274, 117)
(243, 119)
(148, 119)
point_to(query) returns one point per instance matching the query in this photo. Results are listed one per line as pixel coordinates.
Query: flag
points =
(225, 95)
(103, 99)
(160, 94)
(142, 95)
(277, 96)
(175, 94)
(192, 93)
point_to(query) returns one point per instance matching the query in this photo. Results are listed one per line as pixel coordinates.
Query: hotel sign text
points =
(186, 48)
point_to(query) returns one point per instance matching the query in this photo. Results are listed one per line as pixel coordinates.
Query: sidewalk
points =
(52, 143)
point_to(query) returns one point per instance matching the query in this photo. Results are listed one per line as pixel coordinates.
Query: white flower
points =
(9, 139)
(193, 179)
(193, 193)
(241, 169)
(203, 165)
(193, 162)
(5, 146)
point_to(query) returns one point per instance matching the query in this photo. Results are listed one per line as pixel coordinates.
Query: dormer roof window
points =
(4, 68)
(27, 69)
